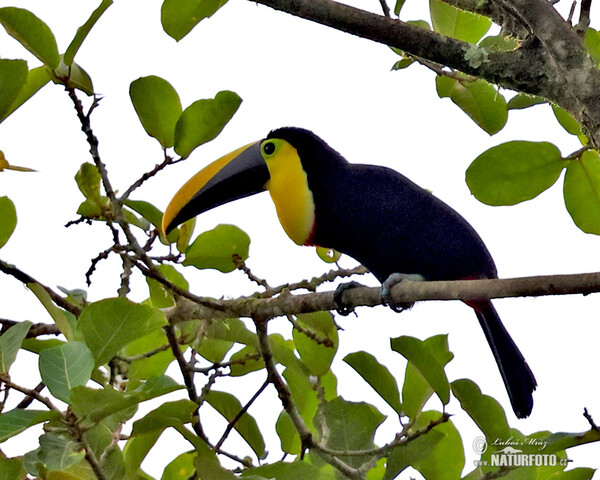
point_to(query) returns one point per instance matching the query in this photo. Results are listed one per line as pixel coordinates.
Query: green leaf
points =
(203, 120)
(523, 100)
(230, 407)
(148, 365)
(559, 441)
(65, 321)
(351, 426)
(10, 343)
(485, 411)
(58, 452)
(8, 219)
(420, 354)
(158, 107)
(377, 376)
(170, 414)
(185, 234)
(209, 468)
(313, 353)
(288, 435)
(88, 180)
(566, 120)
(75, 77)
(299, 470)
(447, 459)
(83, 31)
(215, 248)
(65, 367)
(303, 394)
(398, 6)
(478, 99)
(592, 44)
(32, 33)
(160, 296)
(451, 21)
(136, 449)
(13, 77)
(12, 469)
(146, 210)
(212, 349)
(112, 463)
(181, 468)
(36, 79)
(94, 405)
(416, 390)
(179, 17)
(18, 420)
(245, 361)
(407, 455)
(328, 255)
(110, 324)
(582, 191)
(513, 172)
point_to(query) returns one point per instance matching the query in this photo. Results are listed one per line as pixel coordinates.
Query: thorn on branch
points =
(590, 420)
(241, 265)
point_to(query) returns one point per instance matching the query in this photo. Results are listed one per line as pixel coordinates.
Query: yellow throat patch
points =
(289, 190)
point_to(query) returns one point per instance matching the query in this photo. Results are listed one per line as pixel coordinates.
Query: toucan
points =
(371, 213)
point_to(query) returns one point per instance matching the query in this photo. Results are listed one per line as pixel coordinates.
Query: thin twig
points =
(90, 456)
(217, 365)
(36, 330)
(241, 413)
(241, 265)
(584, 18)
(385, 8)
(30, 393)
(325, 341)
(178, 290)
(148, 175)
(142, 356)
(312, 284)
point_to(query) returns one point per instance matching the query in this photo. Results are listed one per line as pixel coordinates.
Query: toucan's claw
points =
(386, 290)
(340, 307)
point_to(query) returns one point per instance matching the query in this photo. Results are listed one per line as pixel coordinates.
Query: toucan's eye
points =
(269, 148)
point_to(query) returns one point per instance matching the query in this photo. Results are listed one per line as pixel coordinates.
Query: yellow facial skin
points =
(289, 190)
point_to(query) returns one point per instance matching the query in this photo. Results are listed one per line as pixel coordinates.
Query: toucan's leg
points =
(341, 307)
(386, 289)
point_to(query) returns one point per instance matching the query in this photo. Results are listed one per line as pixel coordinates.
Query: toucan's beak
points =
(239, 174)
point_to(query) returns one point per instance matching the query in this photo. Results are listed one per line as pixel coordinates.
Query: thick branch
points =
(405, 292)
(551, 62)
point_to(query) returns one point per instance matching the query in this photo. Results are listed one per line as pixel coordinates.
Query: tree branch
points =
(405, 292)
(25, 279)
(551, 62)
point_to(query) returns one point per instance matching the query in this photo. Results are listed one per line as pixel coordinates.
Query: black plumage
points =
(391, 225)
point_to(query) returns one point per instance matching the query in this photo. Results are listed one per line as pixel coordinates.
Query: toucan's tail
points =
(518, 378)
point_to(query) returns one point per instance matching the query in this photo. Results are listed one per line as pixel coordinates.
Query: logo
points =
(510, 453)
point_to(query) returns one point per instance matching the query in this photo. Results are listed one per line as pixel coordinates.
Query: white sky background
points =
(292, 72)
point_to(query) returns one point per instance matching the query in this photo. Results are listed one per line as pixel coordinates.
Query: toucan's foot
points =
(341, 307)
(386, 290)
